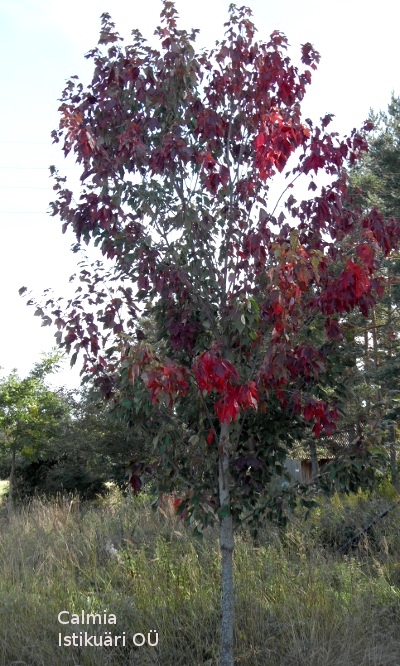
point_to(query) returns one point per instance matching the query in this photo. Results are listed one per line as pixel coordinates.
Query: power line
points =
(23, 187)
(23, 212)
(40, 168)
(24, 143)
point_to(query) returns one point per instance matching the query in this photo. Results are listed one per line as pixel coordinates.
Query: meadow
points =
(298, 601)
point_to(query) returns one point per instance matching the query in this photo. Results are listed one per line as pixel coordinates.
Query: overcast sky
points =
(43, 42)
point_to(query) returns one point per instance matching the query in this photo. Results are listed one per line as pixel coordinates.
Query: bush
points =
(50, 477)
(340, 518)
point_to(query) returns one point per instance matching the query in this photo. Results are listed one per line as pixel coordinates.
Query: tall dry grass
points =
(297, 602)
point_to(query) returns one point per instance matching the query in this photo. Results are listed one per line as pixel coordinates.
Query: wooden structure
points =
(301, 470)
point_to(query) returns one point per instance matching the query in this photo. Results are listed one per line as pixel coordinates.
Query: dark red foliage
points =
(212, 372)
(177, 150)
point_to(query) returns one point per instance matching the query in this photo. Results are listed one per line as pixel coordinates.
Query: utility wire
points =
(25, 143)
(23, 187)
(23, 212)
(38, 168)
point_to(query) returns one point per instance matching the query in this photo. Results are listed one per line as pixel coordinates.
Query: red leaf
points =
(259, 141)
(332, 329)
(366, 254)
(135, 482)
(212, 372)
(309, 56)
(227, 408)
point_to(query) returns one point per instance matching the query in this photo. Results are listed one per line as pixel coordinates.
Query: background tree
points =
(177, 150)
(88, 450)
(29, 415)
(375, 180)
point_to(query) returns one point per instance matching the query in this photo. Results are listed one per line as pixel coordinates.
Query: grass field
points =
(298, 603)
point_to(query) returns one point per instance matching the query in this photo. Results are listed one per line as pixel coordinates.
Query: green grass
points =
(297, 602)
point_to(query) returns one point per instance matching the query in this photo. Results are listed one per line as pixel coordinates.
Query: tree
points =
(177, 151)
(29, 415)
(375, 180)
(88, 449)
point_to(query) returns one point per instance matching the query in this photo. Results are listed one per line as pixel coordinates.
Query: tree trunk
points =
(366, 350)
(227, 546)
(366, 368)
(393, 457)
(11, 483)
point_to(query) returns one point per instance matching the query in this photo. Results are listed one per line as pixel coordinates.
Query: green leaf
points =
(224, 511)
(240, 323)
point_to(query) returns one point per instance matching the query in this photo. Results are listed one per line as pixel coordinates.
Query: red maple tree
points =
(177, 150)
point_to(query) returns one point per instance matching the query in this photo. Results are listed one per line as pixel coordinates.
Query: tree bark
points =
(227, 546)
(366, 350)
(11, 483)
(366, 368)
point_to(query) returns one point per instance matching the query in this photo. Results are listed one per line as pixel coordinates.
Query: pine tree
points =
(376, 182)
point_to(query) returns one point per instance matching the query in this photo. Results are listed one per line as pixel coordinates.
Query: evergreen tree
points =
(375, 181)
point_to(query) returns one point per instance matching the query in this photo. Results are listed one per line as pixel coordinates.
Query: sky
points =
(42, 43)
